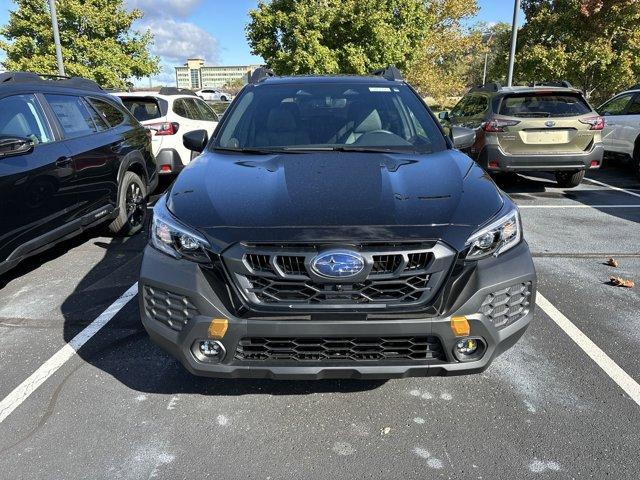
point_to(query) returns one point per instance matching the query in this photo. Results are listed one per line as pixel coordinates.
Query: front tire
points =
(132, 206)
(569, 179)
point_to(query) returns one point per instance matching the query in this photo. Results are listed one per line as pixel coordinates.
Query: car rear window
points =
(544, 104)
(142, 108)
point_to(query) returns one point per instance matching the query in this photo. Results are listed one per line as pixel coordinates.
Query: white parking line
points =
(611, 368)
(48, 368)
(602, 184)
(578, 206)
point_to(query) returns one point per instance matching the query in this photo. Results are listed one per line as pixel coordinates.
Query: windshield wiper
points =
(254, 151)
(346, 148)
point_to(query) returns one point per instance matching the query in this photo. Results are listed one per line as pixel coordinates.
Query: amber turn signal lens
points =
(460, 326)
(218, 327)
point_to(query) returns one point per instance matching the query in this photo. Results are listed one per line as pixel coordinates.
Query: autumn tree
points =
(594, 44)
(448, 55)
(96, 36)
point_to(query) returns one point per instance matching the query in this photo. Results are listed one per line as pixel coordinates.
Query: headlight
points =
(171, 237)
(495, 238)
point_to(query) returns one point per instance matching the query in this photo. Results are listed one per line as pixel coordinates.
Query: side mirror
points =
(12, 146)
(462, 137)
(196, 141)
(443, 115)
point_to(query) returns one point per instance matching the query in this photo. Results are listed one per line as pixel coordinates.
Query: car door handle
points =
(64, 162)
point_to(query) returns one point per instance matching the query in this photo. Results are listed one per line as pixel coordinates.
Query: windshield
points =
(330, 116)
(544, 105)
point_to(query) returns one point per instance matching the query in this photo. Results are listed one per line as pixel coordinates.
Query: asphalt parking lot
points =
(122, 408)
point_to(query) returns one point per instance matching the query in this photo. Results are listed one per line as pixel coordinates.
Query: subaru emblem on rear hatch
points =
(338, 264)
(550, 123)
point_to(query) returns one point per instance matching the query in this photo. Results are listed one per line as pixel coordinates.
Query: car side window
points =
(73, 114)
(634, 106)
(459, 108)
(21, 116)
(206, 113)
(180, 108)
(477, 104)
(100, 123)
(615, 106)
(112, 115)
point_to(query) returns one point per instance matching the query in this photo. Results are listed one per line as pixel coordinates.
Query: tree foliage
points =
(96, 37)
(448, 55)
(594, 44)
(337, 36)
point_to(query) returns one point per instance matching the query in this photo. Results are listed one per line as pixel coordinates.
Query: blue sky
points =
(214, 29)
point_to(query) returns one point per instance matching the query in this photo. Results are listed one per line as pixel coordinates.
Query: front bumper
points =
(552, 162)
(185, 278)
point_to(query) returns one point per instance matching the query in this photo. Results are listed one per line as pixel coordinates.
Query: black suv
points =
(331, 229)
(71, 157)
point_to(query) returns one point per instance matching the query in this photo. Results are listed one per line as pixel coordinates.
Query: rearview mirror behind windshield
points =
(12, 146)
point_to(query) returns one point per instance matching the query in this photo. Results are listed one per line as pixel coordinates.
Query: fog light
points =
(467, 346)
(165, 168)
(211, 348)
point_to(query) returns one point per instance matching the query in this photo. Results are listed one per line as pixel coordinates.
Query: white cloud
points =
(176, 41)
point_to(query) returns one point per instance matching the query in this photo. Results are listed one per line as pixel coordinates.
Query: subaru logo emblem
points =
(338, 264)
(550, 123)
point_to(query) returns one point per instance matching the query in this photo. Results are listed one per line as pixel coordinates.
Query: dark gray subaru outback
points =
(330, 229)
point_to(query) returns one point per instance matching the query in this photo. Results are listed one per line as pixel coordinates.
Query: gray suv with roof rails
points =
(71, 157)
(540, 127)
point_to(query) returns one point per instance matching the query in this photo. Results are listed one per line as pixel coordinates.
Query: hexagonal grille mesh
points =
(508, 305)
(400, 290)
(169, 308)
(338, 349)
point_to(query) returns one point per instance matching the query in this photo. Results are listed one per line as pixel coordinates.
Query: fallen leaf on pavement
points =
(385, 430)
(612, 262)
(621, 282)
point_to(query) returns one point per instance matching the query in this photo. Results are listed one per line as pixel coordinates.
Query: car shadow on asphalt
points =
(542, 186)
(122, 349)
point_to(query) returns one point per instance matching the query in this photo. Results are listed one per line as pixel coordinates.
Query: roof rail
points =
(176, 91)
(63, 81)
(260, 73)
(391, 73)
(562, 83)
(489, 87)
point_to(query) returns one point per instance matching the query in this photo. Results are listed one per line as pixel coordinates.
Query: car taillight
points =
(596, 123)
(164, 128)
(496, 125)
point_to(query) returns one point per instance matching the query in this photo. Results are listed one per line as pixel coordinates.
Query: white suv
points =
(213, 95)
(169, 114)
(622, 125)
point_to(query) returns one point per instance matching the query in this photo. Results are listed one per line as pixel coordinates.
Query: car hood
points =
(334, 196)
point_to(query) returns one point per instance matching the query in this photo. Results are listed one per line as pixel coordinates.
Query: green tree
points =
(337, 36)
(495, 39)
(96, 37)
(594, 44)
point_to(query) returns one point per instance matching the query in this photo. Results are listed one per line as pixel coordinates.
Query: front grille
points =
(172, 309)
(276, 277)
(508, 305)
(351, 349)
(291, 265)
(274, 291)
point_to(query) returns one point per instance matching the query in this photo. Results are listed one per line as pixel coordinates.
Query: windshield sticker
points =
(379, 89)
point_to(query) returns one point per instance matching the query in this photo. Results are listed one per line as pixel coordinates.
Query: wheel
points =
(132, 203)
(569, 179)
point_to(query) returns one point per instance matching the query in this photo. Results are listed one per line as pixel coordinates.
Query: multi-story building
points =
(196, 75)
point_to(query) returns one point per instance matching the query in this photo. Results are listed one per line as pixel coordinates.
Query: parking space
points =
(123, 408)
